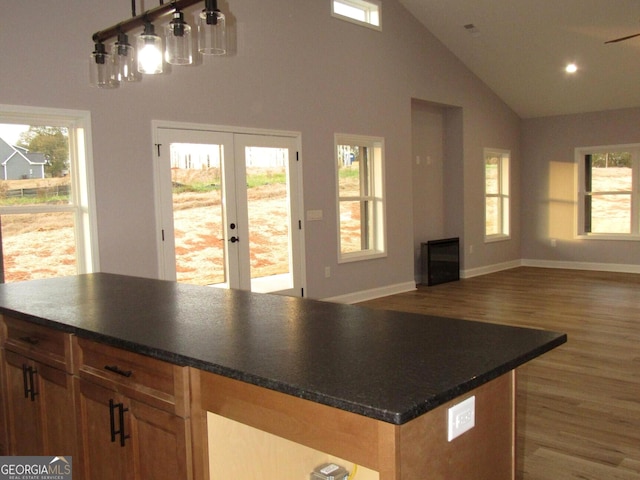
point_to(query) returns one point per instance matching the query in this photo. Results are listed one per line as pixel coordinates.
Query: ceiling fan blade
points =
(623, 38)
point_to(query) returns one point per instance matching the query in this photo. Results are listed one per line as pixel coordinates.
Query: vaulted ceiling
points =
(520, 48)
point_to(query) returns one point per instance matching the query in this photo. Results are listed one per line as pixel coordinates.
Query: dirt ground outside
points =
(43, 245)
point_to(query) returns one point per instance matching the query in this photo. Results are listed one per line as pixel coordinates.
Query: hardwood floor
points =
(578, 405)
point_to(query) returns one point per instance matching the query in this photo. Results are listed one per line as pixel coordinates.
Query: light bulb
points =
(149, 51)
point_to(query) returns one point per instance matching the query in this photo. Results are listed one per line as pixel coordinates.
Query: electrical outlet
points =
(461, 418)
(327, 272)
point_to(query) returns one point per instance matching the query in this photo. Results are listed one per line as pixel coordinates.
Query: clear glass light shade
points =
(179, 50)
(149, 48)
(100, 69)
(212, 33)
(124, 63)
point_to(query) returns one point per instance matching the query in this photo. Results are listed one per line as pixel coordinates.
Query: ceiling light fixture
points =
(571, 68)
(108, 70)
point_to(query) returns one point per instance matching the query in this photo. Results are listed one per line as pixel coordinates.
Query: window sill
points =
(609, 236)
(359, 256)
(496, 238)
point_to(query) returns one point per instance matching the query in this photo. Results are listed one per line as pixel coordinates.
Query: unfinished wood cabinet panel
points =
(416, 449)
(484, 452)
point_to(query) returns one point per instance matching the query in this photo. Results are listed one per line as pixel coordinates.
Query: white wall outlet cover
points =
(461, 418)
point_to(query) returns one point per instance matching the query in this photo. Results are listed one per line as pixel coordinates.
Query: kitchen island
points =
(369, 387)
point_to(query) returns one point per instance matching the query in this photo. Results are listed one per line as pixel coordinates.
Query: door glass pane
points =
(198, 218)
(269, 218)
(38, 245)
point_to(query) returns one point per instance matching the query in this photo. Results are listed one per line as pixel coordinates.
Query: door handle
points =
(234, 239)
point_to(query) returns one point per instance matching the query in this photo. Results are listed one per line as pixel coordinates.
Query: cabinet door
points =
(22, 403)
(161, 443)
(40, 409)
(103, 455)
(57, 411)
(127, 439)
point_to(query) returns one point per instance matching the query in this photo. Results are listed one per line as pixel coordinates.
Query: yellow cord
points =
(353, 473)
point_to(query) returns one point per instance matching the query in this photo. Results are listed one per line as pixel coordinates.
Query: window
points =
(362, 12)
(360, 186)
(496, 198)
(46, 207)
(609, 192)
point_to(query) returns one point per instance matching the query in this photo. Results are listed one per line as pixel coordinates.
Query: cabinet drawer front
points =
(155, 382)
(44, 344)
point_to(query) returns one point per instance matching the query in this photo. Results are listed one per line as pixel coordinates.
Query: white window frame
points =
(369, 11)
(375, 230)
(82, 202)
(581, 192)
(503, 194)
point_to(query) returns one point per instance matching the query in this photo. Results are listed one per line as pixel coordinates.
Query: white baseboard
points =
(374, 293)
(365, 295)
(598, 267)
(475, 272)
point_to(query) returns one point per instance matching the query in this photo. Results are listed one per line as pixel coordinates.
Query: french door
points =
(229, 210)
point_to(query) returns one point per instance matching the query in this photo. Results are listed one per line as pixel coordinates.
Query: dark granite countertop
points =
(386, 365)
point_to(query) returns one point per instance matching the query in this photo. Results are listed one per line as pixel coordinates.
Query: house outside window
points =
(361, 204)
(47, 221)
(362, 12)
(609, 192)
(497, 201)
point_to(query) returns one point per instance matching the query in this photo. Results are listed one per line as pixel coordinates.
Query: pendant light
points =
(100, 68)
(149, 51)
(124, 61)
(178, 41)
(212, 34)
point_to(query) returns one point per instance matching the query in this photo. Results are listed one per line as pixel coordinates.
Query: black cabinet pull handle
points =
(115, 369)
(30, 340)
(123, 437)
(28, 374)
(32, 391)
(112, 421)
(25, 379)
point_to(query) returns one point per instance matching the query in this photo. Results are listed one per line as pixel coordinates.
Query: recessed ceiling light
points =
(571, 68)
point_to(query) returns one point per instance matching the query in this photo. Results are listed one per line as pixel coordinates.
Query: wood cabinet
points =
(135, 415)
(414, 450)
(38, 398)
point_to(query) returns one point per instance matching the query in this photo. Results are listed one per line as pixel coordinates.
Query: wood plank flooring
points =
(578, 405)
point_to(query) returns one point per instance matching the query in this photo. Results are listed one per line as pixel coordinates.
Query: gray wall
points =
(294, 68)
(549, 183)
